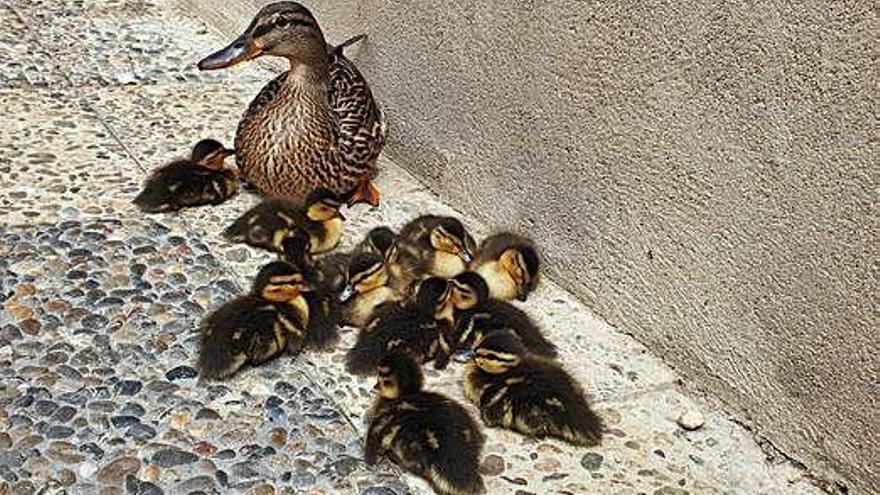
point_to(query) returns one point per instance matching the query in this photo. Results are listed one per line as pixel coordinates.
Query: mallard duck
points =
(368, 286)
(517, 390)
(199, 180)
(436, 245)
(509, 263)
(418, 326)
(477, 314)
(267, 224)
(315, 125)
(425, 433)
(257, 327)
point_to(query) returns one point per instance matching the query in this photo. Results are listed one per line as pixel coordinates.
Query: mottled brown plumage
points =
(316, 125)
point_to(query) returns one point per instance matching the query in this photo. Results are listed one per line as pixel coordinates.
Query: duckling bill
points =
(425, 433)
(197, 181)
(528, 394)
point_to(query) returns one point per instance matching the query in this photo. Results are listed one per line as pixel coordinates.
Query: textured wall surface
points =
(703, 173)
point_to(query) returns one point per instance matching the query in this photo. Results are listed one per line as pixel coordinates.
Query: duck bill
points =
(347, 293)
(240, 50)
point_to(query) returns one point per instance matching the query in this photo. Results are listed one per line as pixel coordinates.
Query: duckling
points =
(315, 125)
(418, 326)
(327, 314)
(517, 390)
(199, 180)
(436, 245)
(267, 224)
(477, 315)
(384, 242)
(257, 327)
(426, 433)
(368, 287)
(509, 263)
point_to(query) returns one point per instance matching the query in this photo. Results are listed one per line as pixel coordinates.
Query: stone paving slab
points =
(100, 304)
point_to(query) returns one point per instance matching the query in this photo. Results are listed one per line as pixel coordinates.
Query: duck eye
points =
(282, 22)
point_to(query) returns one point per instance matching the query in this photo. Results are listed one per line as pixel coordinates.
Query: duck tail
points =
(586, 428)
(354, 39)
(452, 477)
(365, 355)
(538, 344)
(153, 199)
(216, 359)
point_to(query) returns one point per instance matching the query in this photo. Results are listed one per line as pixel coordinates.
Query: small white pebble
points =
(87, 469)
(691, 420)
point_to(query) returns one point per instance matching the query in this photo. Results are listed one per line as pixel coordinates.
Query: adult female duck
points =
(315, 125)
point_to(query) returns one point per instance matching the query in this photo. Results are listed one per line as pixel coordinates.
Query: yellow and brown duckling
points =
(326, 312)
(517, 390)
(199, 180)
(477, 314)
(436, 245)
(257, 327)
(425, 433)
(418, 326)
(384, 242)
(267, 224)
(509, 263)
(315, 125)
(368, 287)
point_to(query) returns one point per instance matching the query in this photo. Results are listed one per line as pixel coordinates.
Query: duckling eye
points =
(281, 22)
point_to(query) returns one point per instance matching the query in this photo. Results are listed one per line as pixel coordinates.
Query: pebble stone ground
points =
(100, 305)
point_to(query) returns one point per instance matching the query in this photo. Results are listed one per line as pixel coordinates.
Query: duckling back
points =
(433, 437)
(247, 330)
(183, 184)
(395, 328)
(493, 315)
(267, 224)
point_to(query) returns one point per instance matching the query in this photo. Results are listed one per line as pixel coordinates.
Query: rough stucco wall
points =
(703, 173)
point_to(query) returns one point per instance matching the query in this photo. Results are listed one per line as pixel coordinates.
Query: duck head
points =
(281, 29)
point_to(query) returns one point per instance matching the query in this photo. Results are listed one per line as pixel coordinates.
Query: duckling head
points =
(434, 296)
(366, 272)
(450, 236)
(281, 29)
(210, 153)
(322, 205)
(499, 351)
(280, 282)
(382, 240)
(399, 375)
(521, 265)
(295, 248)
(468, 290)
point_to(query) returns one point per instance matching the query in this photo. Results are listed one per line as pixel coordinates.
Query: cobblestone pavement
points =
(100, 304)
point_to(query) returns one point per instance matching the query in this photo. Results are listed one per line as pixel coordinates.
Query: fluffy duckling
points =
(368, 286)
(437, 245)
(270, 222)
(509, 264)
(528, 394)
(257, 327)
(384, 242)
(199, 180)
(477, 315)
(419, 327)
(425, 433)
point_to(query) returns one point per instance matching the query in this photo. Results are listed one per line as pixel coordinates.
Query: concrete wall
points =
(703, 173)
